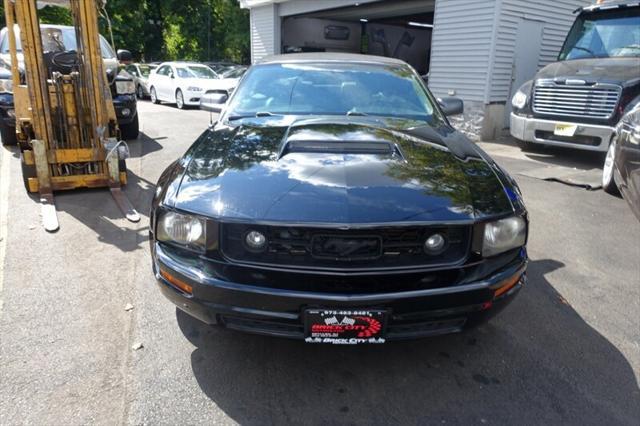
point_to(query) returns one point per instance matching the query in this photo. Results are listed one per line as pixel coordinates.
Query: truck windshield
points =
(604, 34)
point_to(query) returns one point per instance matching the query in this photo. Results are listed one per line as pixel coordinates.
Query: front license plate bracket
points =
(345, 327)
(565, 129)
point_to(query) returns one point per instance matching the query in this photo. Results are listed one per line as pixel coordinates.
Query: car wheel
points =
(8, 134)
(179, 99)
(140, 92)
(608, 177)
(130, 131)
(525, 146)
(154, 96)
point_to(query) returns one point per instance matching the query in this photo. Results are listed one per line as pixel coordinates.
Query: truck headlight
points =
(6, 86)
(125, 87)
(519, 100)
(182, 229)
(503, 235)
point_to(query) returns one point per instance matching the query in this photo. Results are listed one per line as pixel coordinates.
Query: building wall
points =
(461, 48)
(264, 23)
(557, 17)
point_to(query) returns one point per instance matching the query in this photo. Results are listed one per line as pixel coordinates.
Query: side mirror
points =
(124, 56)
(213, 102)
(171, 75)
(451, 106)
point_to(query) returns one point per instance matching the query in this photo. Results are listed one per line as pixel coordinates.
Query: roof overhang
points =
(249, 4)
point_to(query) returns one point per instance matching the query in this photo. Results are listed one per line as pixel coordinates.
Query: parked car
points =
(184, 83)
(235, 72)
(621, 170)
(334, 202)
(220, 66)
(57, 37)
(140, 74)
(577, 101)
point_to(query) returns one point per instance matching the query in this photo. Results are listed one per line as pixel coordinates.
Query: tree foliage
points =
(156, 30)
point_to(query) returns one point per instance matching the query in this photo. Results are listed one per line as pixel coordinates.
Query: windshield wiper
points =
(585, 49)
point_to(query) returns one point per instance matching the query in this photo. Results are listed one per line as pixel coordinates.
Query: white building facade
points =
(478, 50)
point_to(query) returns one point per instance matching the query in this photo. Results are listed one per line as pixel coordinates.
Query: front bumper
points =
(192, 98)
(589, 137)
(125, 107)
(278, 312)
(7, 112)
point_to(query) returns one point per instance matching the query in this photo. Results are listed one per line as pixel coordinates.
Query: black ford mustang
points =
(333, 202)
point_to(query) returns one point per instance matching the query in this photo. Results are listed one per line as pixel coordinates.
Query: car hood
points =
(205, 83)
(609, 70)
(357, 173)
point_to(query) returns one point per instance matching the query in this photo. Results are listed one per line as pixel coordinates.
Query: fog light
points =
(255, 240)
(125, 112)
(435, 244)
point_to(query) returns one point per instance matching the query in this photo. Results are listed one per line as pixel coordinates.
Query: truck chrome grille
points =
(596, 101)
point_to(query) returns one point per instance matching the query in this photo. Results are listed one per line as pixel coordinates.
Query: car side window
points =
(163, 70)
(105, 49)
(132, 70)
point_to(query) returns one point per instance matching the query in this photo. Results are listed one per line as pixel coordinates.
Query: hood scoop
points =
(341, 147)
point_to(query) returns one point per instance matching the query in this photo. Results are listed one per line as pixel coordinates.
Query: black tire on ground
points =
(28, 171)
(180, 104)
(8, 134)
(525, 146)
(154, 95)
(130, 131)
(608, 176)
(140, 92)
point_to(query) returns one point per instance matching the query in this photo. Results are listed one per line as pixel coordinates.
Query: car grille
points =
(598, 102)
(364, 249)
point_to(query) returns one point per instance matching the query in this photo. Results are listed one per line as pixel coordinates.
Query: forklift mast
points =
(65, 121)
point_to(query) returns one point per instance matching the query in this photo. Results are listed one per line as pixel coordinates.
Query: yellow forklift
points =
(65, 120)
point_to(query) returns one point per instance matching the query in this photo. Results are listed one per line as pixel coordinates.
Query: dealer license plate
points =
(345, 327)
(563, 129)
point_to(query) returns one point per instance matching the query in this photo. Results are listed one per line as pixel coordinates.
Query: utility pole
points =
(208, 30)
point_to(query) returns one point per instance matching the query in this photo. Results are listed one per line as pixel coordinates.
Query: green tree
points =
(155, 30)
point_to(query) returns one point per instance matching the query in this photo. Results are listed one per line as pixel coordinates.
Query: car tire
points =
(8, 134)
(179, 99)
(140, 92)
(525, 146)
(608, 176)
(130, 131)
(28, 171)
(154, 96)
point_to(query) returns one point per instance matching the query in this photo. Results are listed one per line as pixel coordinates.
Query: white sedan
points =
(183, 83)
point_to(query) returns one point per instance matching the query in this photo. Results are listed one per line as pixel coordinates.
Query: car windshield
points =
(234, 72)
(605, 34)
(202, 72)
(332, 89)
(58, 39)
(145, 70)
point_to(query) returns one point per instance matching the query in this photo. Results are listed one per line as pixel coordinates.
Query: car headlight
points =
(183, 229)
(6, 86)
(125, 87)
(519, 100)
(503, 235)
(194, 89)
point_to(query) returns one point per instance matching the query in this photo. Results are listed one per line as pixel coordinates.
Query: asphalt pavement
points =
(87, 338)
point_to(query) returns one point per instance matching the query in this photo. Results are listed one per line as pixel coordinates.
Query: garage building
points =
(478, 50)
